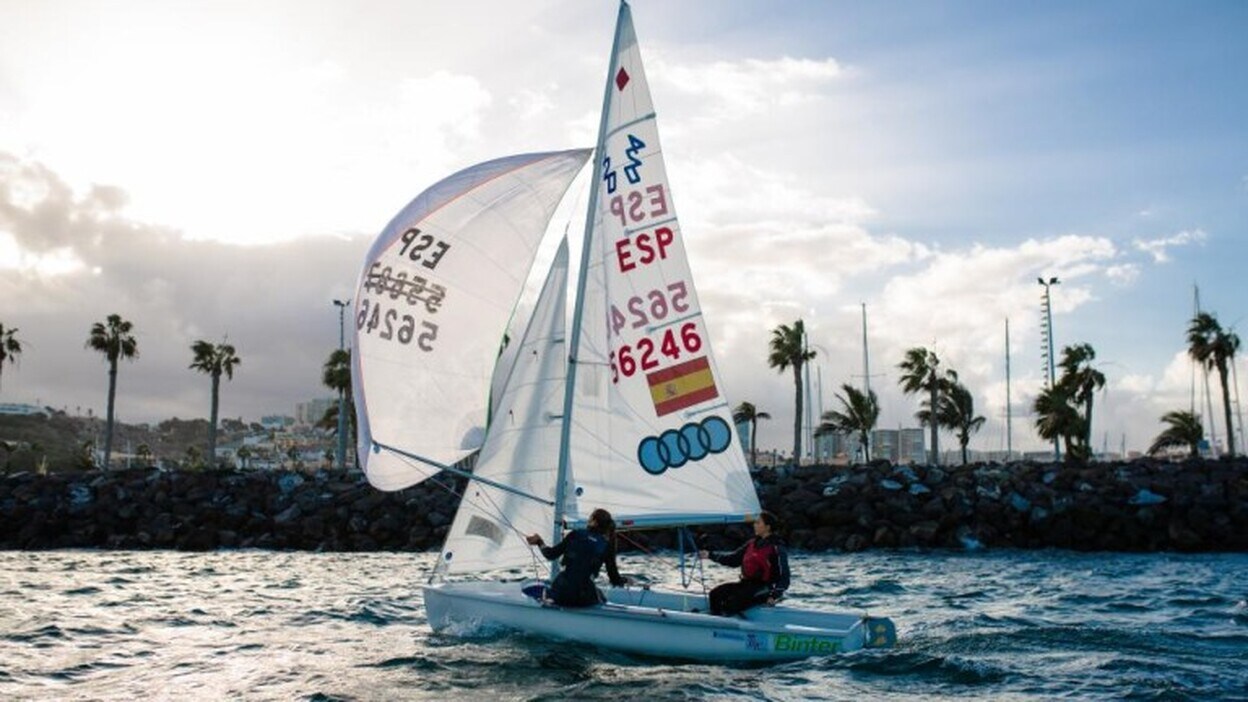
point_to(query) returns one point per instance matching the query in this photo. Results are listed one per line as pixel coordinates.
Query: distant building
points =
(894, 445)
(827, 446)
(276, 421)
(769, 459)
(885, 443)
(15, 408)
(313, 411)
(910, 446)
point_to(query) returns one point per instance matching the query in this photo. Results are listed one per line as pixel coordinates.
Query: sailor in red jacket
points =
(764, 570)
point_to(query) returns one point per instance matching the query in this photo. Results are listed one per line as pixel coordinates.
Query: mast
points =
(810, 429)
(819, 414)
(1192, 398)
(1204, 371)
(866, 354)
(578, 309)
(1009, 430)
(1239, 411)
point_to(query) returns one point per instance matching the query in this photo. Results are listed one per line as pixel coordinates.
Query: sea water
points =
(108, 625)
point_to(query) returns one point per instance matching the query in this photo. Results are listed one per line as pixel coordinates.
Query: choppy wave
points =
(283, 626)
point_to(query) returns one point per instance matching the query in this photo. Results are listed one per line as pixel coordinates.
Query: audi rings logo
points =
(676, 447)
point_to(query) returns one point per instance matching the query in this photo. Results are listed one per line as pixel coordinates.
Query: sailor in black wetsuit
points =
(584, 552)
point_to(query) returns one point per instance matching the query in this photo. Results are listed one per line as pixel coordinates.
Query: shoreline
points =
(1137, 506)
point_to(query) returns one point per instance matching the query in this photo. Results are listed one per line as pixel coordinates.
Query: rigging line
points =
(461, 495)
(664, 561)
(697, 551)
(433, 572)
(648, 552)
(461, 473)
(537, 564)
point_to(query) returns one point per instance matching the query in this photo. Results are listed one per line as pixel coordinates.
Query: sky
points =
(218, 171)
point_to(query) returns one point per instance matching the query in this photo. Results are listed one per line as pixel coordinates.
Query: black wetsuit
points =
(584, 553)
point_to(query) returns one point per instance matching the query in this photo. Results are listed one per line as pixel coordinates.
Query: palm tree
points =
(86, 455)
(1214, 347)
(214, 360)
(114, 339)
(788, 350)
(10, 347)
(747, 412)
(1083, 381)
(921, 372)
(1184, 429)
(957, 413)
(244, 455)
(336, 375)
(144, 453)
(1057, 417)
(193, 460)
(861, 410)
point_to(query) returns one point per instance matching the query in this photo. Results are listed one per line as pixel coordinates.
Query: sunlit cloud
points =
(1123, 274)
(744, 88)
(1159, 248)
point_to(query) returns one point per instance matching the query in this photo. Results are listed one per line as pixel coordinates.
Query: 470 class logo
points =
(676, 447)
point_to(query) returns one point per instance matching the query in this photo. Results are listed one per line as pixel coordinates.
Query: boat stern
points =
(879, 632)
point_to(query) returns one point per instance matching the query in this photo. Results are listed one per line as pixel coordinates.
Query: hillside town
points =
(43, 439)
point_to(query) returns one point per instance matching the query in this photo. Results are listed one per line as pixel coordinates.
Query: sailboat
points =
(624, 410)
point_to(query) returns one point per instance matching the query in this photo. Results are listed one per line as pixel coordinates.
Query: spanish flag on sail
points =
(683, 385)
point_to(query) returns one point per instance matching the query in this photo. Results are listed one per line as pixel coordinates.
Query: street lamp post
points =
(810, 428)
(1048, 330)
(815, 403)
(342, 395)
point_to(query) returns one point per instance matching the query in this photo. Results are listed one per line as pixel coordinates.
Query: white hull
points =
(655, 623)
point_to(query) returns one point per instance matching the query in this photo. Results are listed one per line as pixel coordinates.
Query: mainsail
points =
(651, 434)
(522, 447)
(434, 296)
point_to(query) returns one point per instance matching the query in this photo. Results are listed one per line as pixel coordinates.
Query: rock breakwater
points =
(1136, 506)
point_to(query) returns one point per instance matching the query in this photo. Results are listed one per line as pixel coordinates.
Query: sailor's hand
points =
(704, 554)
(771, 601)
(534, 540)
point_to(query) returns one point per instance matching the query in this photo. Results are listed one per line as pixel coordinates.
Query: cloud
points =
(273, 302)
(733, 90)
(762, 255)
(765, 250)
(1158, 248)
(1123, 274)
(533, 104)
(205, 134)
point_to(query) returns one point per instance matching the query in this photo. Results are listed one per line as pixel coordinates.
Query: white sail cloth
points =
(521, 448)
(434, 296)
(652, 437)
